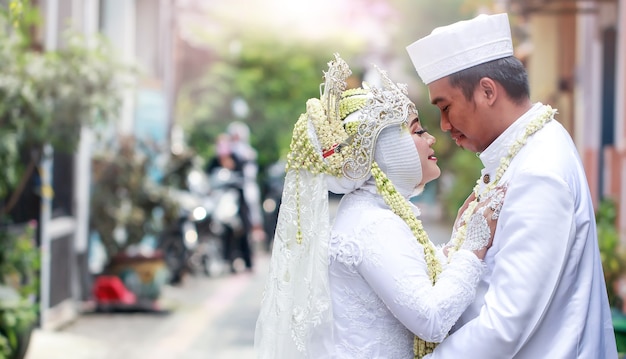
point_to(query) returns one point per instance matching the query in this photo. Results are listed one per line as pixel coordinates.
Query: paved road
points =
(210, 318)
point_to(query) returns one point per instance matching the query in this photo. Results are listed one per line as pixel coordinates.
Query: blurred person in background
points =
(233, 152)
(272, 196)
(242, 150)
(224, 157)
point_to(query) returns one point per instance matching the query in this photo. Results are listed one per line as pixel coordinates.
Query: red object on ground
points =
(109, 289)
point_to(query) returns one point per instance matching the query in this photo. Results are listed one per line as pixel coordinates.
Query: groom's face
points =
(461, 117)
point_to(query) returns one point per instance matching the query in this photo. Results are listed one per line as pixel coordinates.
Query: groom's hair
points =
(508, 71)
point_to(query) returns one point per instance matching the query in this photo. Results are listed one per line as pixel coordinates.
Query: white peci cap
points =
(464, 44)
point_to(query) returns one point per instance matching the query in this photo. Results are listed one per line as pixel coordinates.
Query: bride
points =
(373, 285)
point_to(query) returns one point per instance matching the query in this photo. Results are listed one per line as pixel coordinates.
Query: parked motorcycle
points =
(207, 258)
(227, 216)
(190, 246)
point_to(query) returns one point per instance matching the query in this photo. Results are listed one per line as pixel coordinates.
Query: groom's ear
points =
(487, 91)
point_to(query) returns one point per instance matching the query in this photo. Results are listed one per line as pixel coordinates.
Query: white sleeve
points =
(532, 238)
(396, 270)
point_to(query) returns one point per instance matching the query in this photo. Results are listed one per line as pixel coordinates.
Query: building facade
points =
(140, 31)
(575, 52)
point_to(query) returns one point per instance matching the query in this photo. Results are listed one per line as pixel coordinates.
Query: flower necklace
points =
(535, 125)
(400, 206)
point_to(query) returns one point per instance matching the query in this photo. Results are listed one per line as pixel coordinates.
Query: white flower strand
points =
(535, 125)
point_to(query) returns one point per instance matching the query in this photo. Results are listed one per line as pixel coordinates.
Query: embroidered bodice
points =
(380, 287)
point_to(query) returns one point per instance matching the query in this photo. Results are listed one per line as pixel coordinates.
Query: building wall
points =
(140, 31)
(118, 24)
(619, 177)
(563, 72)
(58, 234)
(605, 165)
(587, 117)
(542, 67)
(147, 38)
(568, 69)
(551, 67)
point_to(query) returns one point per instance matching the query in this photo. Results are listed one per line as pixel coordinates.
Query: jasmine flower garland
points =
(305, 155)
(535, 125)
(400, 206)
(351, 101)
(308, 156)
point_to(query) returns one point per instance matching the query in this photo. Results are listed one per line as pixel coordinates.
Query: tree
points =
(274, 79)
(47, 96)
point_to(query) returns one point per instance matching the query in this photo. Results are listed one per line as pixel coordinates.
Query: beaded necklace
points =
(535, 125)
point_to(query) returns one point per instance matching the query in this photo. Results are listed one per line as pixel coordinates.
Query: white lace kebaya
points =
(380, 289)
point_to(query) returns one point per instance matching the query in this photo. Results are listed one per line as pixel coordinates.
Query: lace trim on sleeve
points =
(346, 250)
(448, 298)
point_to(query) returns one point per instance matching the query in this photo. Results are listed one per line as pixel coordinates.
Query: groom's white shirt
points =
(543, 295)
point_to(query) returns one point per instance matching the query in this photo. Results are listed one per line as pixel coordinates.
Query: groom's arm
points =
(531, 246)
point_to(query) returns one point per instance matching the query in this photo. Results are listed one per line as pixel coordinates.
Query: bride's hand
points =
(458, 222)
(481, 227)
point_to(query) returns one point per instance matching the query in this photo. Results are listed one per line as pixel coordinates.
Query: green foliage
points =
(612, 252)
(17, 316)
(19, 284)
(22, 16)
(46, 97)
(274, 80)
(19, 258)
(463, 167)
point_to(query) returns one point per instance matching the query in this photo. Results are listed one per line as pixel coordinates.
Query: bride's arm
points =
(395, 267)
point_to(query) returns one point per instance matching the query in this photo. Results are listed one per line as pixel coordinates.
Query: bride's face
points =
(423, 143)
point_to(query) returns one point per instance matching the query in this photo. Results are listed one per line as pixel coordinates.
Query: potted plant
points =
(127, 208)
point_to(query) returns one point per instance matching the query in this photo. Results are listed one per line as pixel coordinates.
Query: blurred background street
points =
(143, 146)
(208, 318)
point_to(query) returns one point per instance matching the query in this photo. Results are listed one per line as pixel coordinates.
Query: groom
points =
(543, 295)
